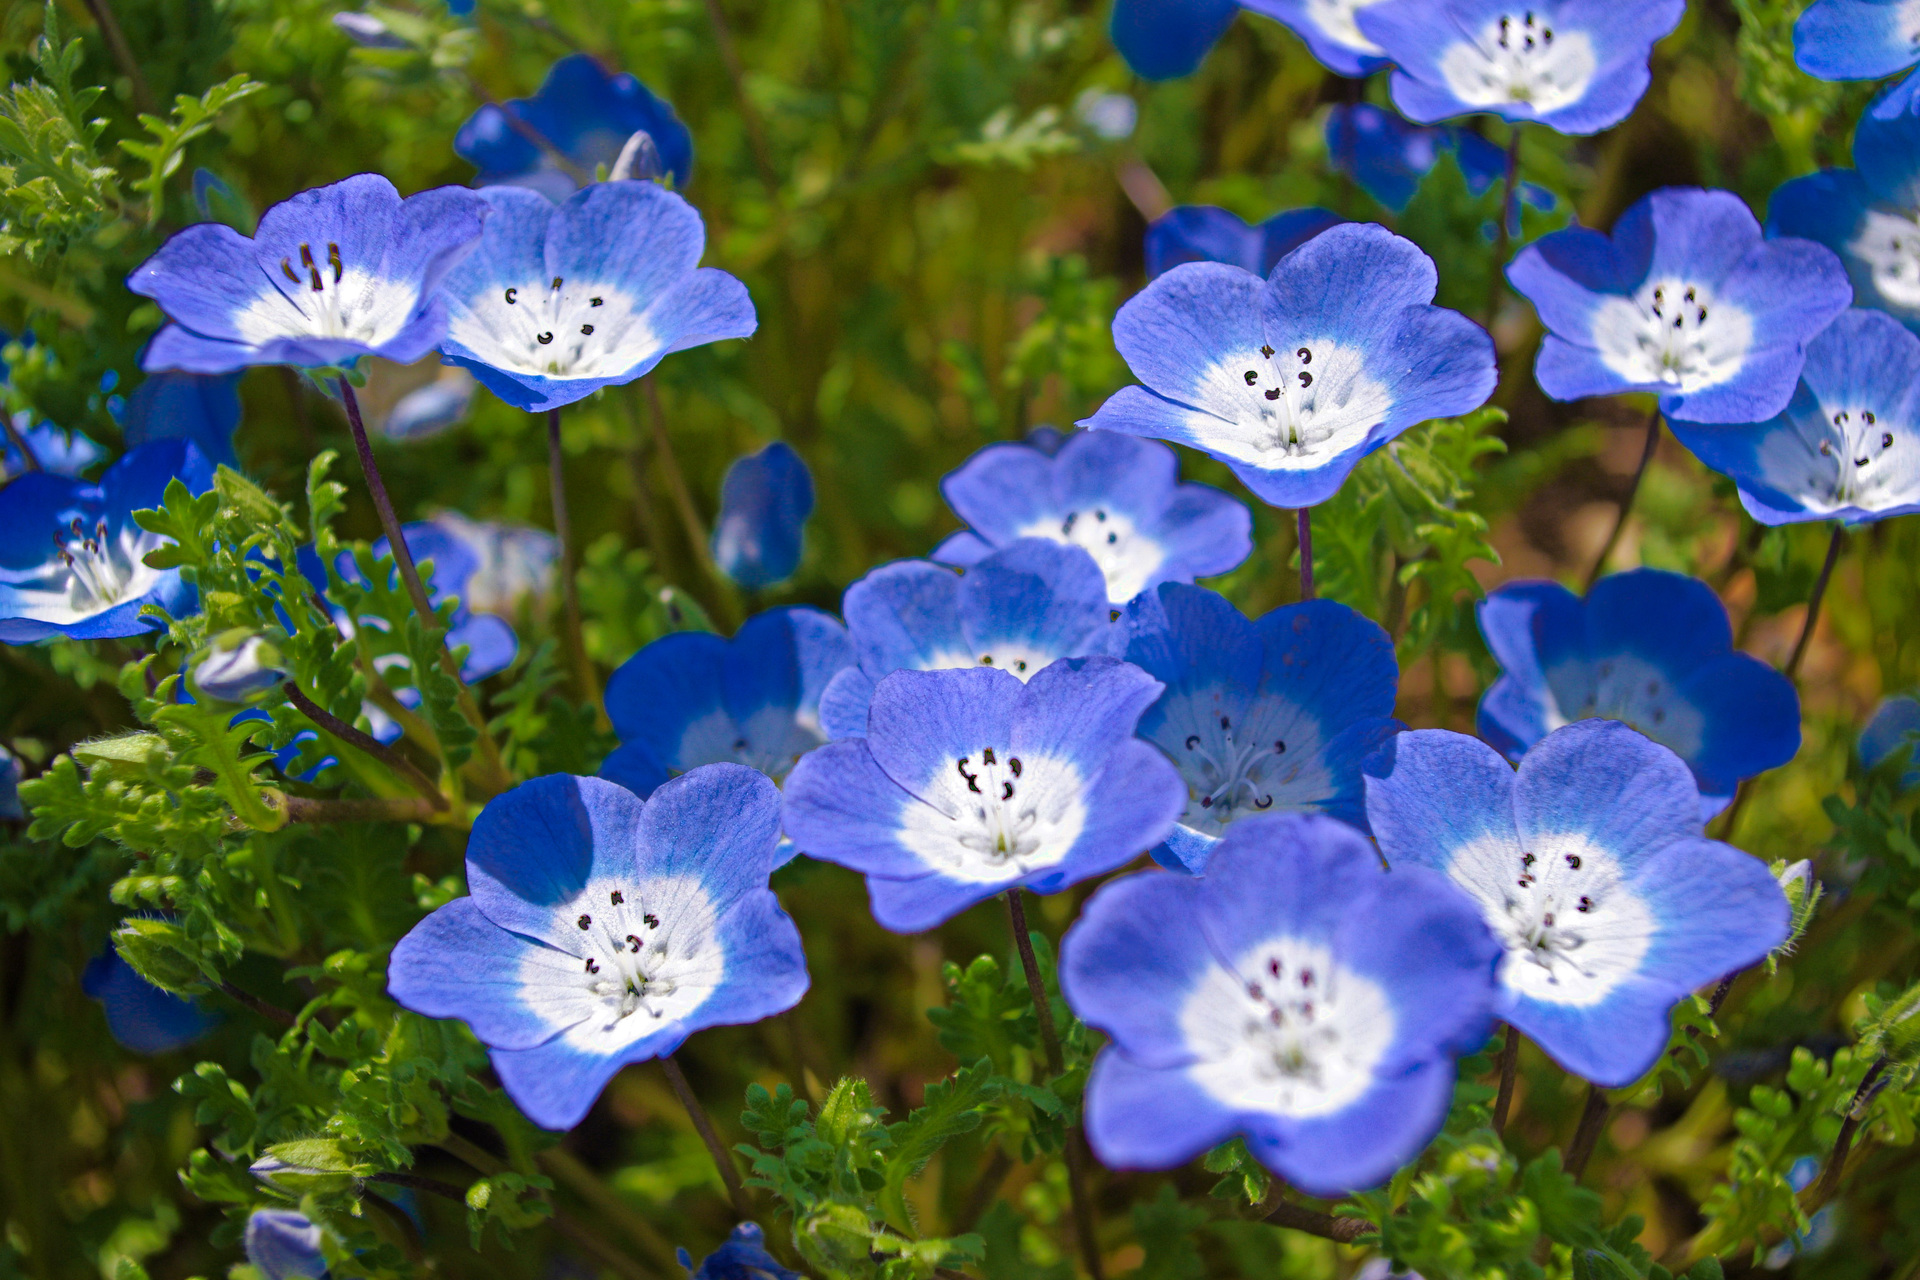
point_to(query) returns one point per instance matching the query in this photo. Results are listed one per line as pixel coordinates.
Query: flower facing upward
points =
(1590, 867)
(1857, 39)
(765, 500)
(1296, 995)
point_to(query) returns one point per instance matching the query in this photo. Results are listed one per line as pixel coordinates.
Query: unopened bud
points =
(639, 160)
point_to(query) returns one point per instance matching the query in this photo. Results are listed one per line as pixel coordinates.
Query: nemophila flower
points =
(1118, 497)
(1329, 30)
(1856, 39)
(368, 31)
(1686, 300)
(428, 410)
(11, 810)
(284, 1244)
(603, 929)
(559, 302)
(1847, 447)
(1388, 157)
(1650, 649)
(1202, 233)
(1018, 609)
(1573, 65)
(1167, 39)
(335, 273)
(765, 500)
(1293, 379)
(968, 783)
(73, 562)
(744, 1256)
(236, 666)
(1296, 995)
(201, 408)
(1895, 727)
(141, 1016)
(512, 563)
(64, 453)
(1259, 716)
(1590, 866)
(1111, 117)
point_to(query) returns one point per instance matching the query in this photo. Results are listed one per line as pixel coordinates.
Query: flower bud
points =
(639, 160)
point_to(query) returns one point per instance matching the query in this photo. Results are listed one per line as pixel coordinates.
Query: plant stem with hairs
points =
(704, 1126)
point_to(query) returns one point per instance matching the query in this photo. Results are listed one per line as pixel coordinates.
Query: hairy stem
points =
(1587, 1135)
(402, 767)
(1313, 1222)
(704, 1126)
(583, 676)
(1818, 594)
(1509, 1060)
(1870, 1085)
(1651, 447)
(271, 1012)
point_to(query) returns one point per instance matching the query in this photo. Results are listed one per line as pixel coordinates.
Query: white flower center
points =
(1889, 243)
(1851, 457)
(1629, 690)
(1022, 660)
(319, 296)
(91, 572)
(996, 817)
(1299, 406)
(1229, 772)
(648, 955)
(1335, 20)
(555, 328)
(1125, 555)
(1672, 333)
(771, 740)
(1520, 60)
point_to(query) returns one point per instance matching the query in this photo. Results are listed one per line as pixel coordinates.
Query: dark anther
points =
(1013, 763)
(986, 757)
(1276, 1017)
(1099, 515)
(1702, 318)
(1886, 439)
(1306, 379)
(1253, 989)
(1524, 881)
(545, 338)
(286, 265)
(1840, 417)
(556, 282)
(653, 921)
(1306, 977)
(1868, 415)
(1268, 802)
(1225, 723)
(1526, 859)
(1020, 666)
(1573, 860)
(986, 659)
(616, 897)
(1266, 351)
(1006, 791)
(1861, 462)
(1279, 747)
(585, 922)
(1586, 904)
(510, 294)
(1206, 802)
(587, 329)
(739, 744)
(634, 944)
(1273, 966)
(1252, 377)
(1547, 920)
(1826, 449)
(1112, 538)
(1306, 1010)
(1679, 322)
(1193, 740)
(1273, 393)
(333, 260)
(596, 302)
(1113, 615)
(593, 966)
(973, 780)
(1305, 354)
(1692, 295)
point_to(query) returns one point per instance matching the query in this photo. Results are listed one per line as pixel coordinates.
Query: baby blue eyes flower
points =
(1296, 995)
(1856, 39)
(427, 411)
(1167, 39)
(969, 783)
(603, 929)
(558, 302)
(141, 1016)
(198, 407)
(1653, 650)
(1118, 497)
(236, 667)
(744, 1256)
(764, 504)
(1895, 727)
(1686, 301)
(1202, 233)
(1293, 379)
(1388, 157)
(1591, 869)
(284, 1245)
(333, 274)
(64, 453)
(511, 563)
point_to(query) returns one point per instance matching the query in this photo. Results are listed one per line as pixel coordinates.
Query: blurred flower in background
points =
(1895, 726)
(1202, 233)
(1855, 39)
(765, 500)
(197, 407)
(140, 1015)
(428, 410)
(285, 1245)
(743, 1257)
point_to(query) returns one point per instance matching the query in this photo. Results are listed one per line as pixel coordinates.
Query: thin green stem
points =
(1503, 237)
(704, 1126)
(583, 675)
(696, 530)
(749, 114)
(1651, 447)
(1303, 525)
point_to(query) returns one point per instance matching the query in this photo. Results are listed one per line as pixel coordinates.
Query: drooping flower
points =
(1203, 233)
(1895, 727)
(1167, 39)
(968, 783)
(1686, 300)
(428, 410)
(1651, 649)
(1856, 39)
(284, 1244)
(1118, 497)
(64, 453)
(1388, 157)
(1292, 380)
(1296, 995)
(556, 303)
(765, 500)
(202, 408)
(744, 1256)
(1590, 866)
(603, 929)
(141, 1016)
(333, 274)
(1258, 716)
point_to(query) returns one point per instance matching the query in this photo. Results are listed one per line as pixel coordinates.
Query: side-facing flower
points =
(1590, 866)
(603, 929)
(1293, 379)
(1203, 233)
(333, 274)
(65, 453)
(765, 500)
(1895, 727)
(284, 1244)
(1296, 995)
(1388, 157)
(1651, 649)
(1167, 39)
(744, 1256)
(1856, 39)
(512, 563)
(969, 783)
(1686, 300)
(201, 408)
(428, 410)
(1118, 497)
(1329, 31)
(141, 1016)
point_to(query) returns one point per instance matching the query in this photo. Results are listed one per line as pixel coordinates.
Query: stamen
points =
(585, 922)
(510, 293)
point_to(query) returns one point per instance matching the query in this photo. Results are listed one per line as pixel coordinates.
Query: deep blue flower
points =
(141, 1016)
(202, 408)
(1650, 649)
(765, 500)
(603, 929)
(1856, 39)
(744, 1256)
(428, 410)
(1118, 497)
(1895, 727)
(1590, 866)
(558, 302)
(1388, 157)
(1277, 713)
(1686, 300)
(285, 1245)
(64, 453)
(1167, 39)
(1293, 379)
(11, 810)
(335, 273)
(1202, 233)
(1295, 995)
(71, 557)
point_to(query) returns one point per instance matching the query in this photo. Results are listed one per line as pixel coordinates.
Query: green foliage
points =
(191, 117)
(54, 188)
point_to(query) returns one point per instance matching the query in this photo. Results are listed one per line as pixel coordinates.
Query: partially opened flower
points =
(603, 929)
(744, 1256)
(969, 783)
(1388, 157)
(198, 407)
(1856, 39)
(1590, 866)
(1293, 379)
(1202, 233)
(1686, 300)
(1895, 727)
(141, 1016)
(765, 500)
(284, 1244)
(1297, 995)
(1167, 39)
(1651, 649)
(1117, 496)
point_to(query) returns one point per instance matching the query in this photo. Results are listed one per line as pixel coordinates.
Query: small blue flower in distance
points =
(1018, 609)
(1847, 447)
(558, 302)
(1856, 39)
(1388, 157)
(580, 113)
(1293, 379)
(333, 274)
(1651, 649)
(1576, 66)
(512, 563)
(1167, 39)
(765, 500)
(1296, 995)
(141, 1016)
(1118, 497)
(1259, 716)
(236, 666)
(11, 810)
(604, 929)
(1686, 300)
(426, 411)
(203, 408)
(969, 783)
(744, 1256)
(284, 1244)
(64, 453)
(1895, 727)
(1203, 233)
(72, 561)
(1590, 866)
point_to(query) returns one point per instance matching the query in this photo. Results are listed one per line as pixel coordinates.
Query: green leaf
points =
(191, 117)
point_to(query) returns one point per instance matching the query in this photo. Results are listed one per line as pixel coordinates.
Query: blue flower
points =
(141, 1016)
(765, 500)
(335, 273)
(236, 667)
(743, 1257)
(1030, 602)
(1895, 727)
(1590, 866)
(1686, 301)
(1847, 447)
(1278, 712)
(1167, 39)
(11, 810)
(1295, 995)
(1202, 233)
(512, 563)
(72, 561)
(1576, 66)
(1329, 30)
(557, 303)
(1388, 157)
(64, 453)
(428, 410)
(1650, 649)
(1856, 39)
(285, 1245)
(1118, 497)
(202, 408)
(603, 929)
(1292, 380)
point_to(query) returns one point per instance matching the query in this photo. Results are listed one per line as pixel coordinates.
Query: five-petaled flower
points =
(765, 500)
(743, 1256)
(1203, 233)
(1856, 39)
(1388, 157)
